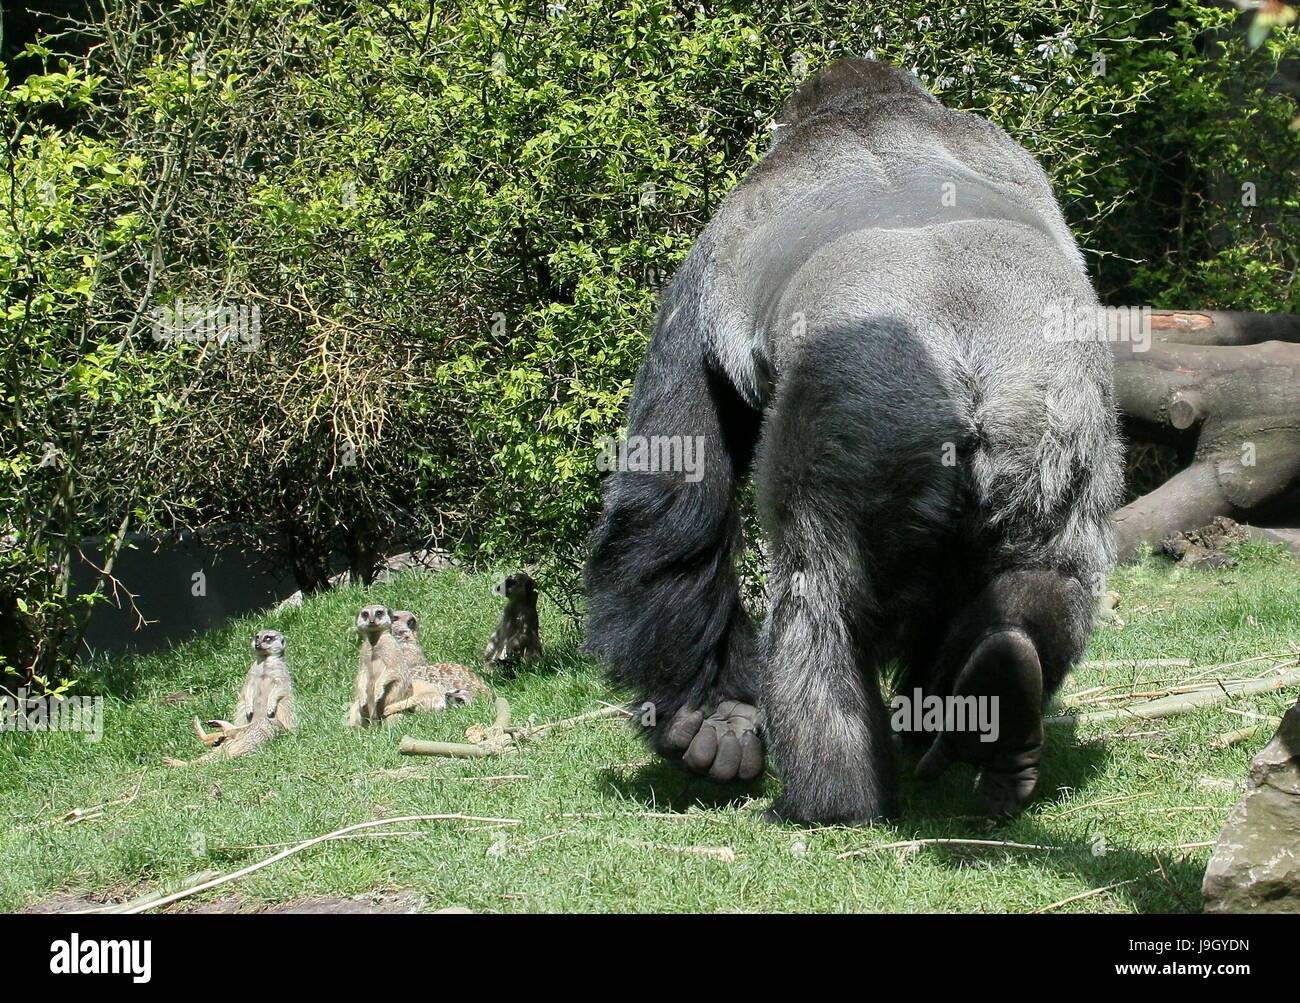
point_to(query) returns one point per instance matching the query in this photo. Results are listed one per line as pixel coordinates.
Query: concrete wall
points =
(162, 574)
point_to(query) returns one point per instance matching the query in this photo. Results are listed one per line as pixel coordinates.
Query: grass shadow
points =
(557, 659)
(665, 786)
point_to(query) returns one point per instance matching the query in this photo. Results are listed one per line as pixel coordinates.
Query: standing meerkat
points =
(265, 709)
(516, 637)
(460, 682)
(386, 684)
(381, 673)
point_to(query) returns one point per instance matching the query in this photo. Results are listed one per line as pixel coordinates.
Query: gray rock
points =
(1255, 866)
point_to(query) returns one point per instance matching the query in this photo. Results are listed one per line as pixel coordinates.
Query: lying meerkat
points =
(460, 682)
(265, 709)
(386, 683)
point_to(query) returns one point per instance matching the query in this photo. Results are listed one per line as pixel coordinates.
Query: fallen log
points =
(1233, 405)
(1224, 327)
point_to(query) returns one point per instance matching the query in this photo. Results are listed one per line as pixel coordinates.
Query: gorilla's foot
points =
(1004, 668)
(722, 744)
(1003, 792)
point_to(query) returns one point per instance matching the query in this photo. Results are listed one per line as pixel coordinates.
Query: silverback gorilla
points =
(862, 327)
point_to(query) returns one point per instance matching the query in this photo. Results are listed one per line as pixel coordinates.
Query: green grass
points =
(1115, 804)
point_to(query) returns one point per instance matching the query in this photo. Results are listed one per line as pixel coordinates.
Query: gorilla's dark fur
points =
(934, 474)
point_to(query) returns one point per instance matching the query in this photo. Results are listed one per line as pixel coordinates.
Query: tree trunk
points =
(1214, 327)
(1209, 383)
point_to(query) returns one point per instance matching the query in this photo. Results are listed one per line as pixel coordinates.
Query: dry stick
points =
(1104, 802)
(1073, 698)
(299, 847)
(1287, 660)
(493, 745)
(88, 814)
(1250, 714)
(1166, 706)
(610, 710)
(1095, 891)
(1119, 884)
(1096, 693)
(337, 839)
(1286, 656)
(413, 747)
(460, 750)
(1168, 691)
(671, 816)
(1274, 668)
(1185, 807)
(504, 776)
(1229, 738)
(1140, 663)
(1131, 695)
(193, 879)
(908, 844)
(724, 853)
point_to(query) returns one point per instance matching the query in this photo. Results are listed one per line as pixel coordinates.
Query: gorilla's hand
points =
(724, 744)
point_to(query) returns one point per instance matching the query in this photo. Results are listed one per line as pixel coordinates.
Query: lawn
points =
(597, 825)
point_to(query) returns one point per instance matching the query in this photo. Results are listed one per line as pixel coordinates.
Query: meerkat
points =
(460, 682)
(386, 684)
(406, 632)
(516, 637)
(381, 672)
(266, 707)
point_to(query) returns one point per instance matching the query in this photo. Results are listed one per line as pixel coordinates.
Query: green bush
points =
(488, 199)
(1190, 234)
(82, 403)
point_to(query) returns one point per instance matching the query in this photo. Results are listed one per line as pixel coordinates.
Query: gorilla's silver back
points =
(888, 204)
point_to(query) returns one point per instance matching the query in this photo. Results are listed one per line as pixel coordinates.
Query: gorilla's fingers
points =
(751, 756)
(739, 715)
(935, 762)
(725, 745)
(699, 757)
(726, 762)
(684, 727)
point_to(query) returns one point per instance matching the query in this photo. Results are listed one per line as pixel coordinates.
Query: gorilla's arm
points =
(664, 609)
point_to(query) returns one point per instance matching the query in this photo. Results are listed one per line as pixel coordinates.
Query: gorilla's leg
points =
(938, 594)
(1015, 643)
(664, 609)
(826, 724)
